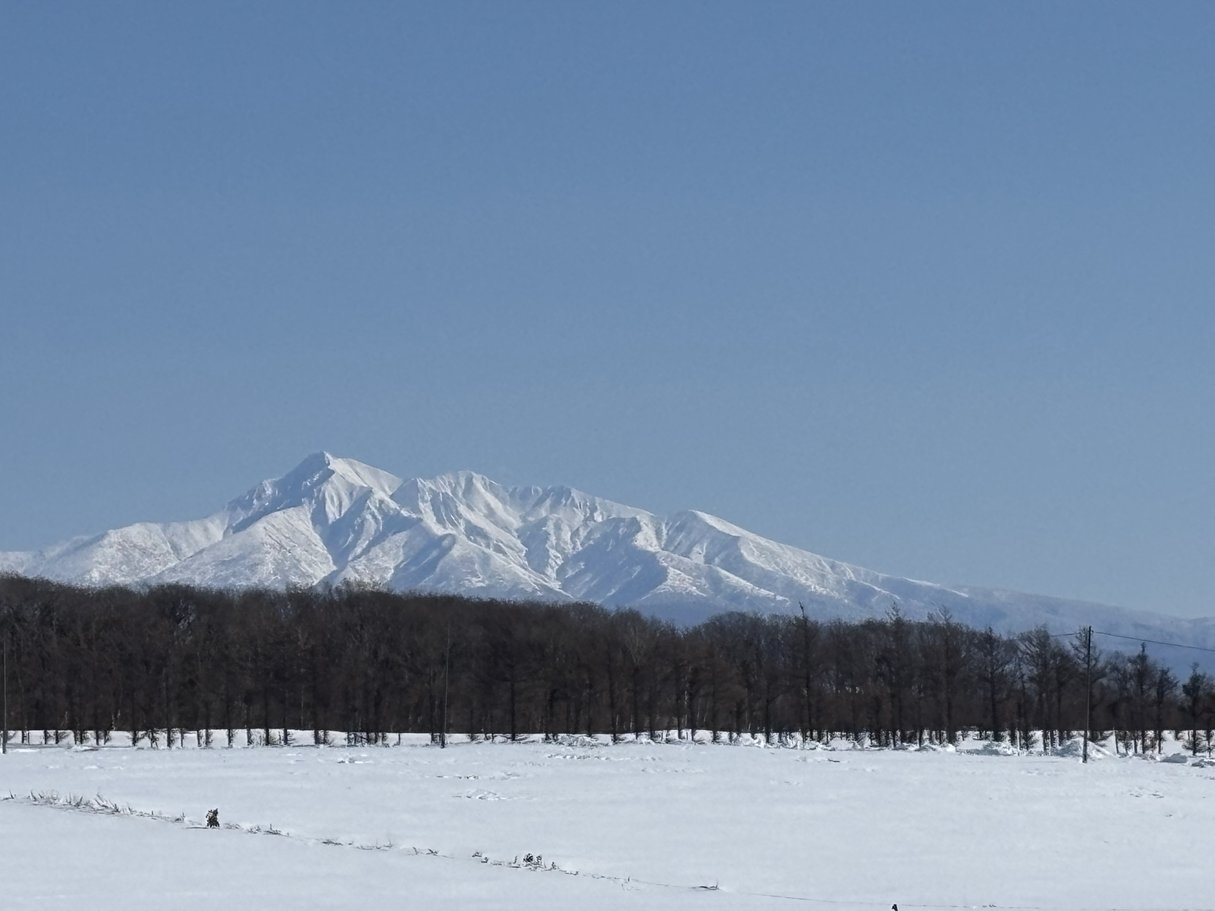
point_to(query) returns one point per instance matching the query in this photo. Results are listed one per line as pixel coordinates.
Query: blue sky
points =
(924, 287)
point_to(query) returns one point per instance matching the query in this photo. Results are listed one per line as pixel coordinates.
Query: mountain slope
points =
(332, 520)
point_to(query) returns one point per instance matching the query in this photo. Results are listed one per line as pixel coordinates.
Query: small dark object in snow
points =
(213, 818)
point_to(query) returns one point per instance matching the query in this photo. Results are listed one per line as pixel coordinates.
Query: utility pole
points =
(446, 672)
(4, 722)
(1088, 685)
(809, 716)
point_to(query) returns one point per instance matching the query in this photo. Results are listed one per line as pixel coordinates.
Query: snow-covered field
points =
(635, 825)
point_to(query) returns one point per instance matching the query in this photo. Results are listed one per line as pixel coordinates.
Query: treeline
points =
(253, 666)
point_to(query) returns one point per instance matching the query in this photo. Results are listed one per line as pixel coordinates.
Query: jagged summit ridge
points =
(331, 520)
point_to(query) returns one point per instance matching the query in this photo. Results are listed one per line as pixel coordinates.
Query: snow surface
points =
(634, 825)
(332, 520)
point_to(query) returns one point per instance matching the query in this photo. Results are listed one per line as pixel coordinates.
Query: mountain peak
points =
(464, 477)
(316, 461)
(355, 472)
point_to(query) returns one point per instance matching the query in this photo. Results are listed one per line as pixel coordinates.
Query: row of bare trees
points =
(237, 667)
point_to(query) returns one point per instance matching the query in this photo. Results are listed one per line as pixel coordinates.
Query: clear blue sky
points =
(925, 287)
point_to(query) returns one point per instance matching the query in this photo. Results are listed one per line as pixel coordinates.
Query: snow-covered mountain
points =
(333, 520)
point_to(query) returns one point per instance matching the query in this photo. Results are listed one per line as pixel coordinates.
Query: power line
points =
(1197, 648)
(1097, 632)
